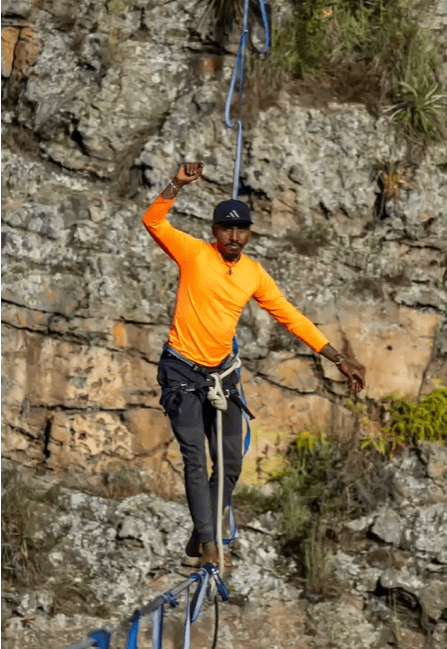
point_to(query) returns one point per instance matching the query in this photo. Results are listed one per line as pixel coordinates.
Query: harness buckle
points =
(186, 387)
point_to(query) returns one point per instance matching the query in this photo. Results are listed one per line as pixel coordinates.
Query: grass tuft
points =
(23, 554)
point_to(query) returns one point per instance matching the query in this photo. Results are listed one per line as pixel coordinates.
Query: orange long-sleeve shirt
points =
(210, 299)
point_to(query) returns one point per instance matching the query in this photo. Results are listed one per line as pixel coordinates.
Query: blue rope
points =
(158, 618)
(238, 73)
(243, 399)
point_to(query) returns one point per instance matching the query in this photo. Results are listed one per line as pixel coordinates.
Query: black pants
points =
(193, 418)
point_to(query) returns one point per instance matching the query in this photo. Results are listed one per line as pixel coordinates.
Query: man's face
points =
(231, 240)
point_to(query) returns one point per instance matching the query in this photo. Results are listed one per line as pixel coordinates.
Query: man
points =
(216, 281)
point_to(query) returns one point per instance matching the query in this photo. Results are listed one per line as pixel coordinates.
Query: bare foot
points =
(210, 553)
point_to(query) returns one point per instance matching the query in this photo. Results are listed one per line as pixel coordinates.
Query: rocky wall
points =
(383, 580)
(101, 102)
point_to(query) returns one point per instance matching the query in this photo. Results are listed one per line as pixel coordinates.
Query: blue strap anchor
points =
(101, 637)
(238, 73)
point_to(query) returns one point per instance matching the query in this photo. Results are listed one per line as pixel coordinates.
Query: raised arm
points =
(177, 244)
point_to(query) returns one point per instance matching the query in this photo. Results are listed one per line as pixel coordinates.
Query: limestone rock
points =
(392, 342)
(427, 532)
(344, 624)
(388, 527)
(10, 36)
(150, 427)
(286, 370)
(20, 48)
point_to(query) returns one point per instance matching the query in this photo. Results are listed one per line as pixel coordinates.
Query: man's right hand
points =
(188, 173)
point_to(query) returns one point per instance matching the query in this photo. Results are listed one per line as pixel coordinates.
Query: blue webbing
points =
(192, 610)
(101, 637)
(158, 616)
(238, 73)
(133, 632)
(243, 399)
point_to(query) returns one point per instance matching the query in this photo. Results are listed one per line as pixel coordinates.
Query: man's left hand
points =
(354, 372)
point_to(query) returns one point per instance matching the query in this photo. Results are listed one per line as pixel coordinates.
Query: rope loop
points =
(216, 393)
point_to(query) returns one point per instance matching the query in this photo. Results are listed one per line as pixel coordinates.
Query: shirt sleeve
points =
(178, 245)
(270, 298)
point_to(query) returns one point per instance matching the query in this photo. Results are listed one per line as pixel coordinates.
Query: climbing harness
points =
(199, 385)
(238, 73)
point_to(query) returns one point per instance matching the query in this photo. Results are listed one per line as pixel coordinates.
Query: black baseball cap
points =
(232, 212)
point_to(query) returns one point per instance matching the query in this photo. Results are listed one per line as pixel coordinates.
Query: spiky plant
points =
(421, 107)
(219, 18)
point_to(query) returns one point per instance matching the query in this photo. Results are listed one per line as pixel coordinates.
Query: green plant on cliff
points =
(312, 490)
(304, 485)
(327, 478)
(421, 108)
(394, 56)
(411, 422)
(392, 177)
(318, 563)
(299, 44)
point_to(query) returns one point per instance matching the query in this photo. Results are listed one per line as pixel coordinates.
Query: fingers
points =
(355, 385)
(356, 381)
(355, 374)
(190, 171)
(194, 169)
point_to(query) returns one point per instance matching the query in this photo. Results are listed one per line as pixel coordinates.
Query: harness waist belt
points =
(225, 363)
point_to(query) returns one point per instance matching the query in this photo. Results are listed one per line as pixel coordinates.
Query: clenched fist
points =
(188, 173)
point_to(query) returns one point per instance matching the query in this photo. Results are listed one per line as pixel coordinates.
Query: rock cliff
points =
(96, 560)
(101, 102)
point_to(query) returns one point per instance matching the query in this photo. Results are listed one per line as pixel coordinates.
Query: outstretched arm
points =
(350, 368)
(269, 297)
(188, 173)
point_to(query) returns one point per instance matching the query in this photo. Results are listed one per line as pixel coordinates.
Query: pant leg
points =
(232, 452)
(189, 430)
